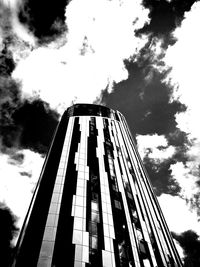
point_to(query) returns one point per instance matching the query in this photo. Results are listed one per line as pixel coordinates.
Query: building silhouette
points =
(94, 204)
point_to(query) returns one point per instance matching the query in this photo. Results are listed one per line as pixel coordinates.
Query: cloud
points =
(32, 117)
(22, 122)
(165, 16)
(76, 67)
(8, 230)
(145, 100)
(186, 219)
(156, 146)
(44, 29)
(18, 179)
(183, 59)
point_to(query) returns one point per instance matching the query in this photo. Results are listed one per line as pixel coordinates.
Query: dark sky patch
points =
(160, 176)
(24, 123)
(10, 96)
(145, 101)
(28, 174)
(8, 230)
(16, 158)
(190, 243)
(165, 16)
(194, 201)
(37, 122)
(46, 19)
(7, 64)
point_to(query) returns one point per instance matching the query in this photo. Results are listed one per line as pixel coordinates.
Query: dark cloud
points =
(37, 123)
(8, 231)
(160, 175)
(165, 16)
(145, 101)
(7, 64)
(190, 243)
(28, 174)
(24, 123)
(9, 100)
(46, 19)
(16, 158)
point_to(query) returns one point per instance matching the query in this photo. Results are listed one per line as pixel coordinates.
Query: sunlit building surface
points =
(94, 204)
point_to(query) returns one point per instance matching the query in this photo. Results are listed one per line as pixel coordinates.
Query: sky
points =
(139, 57)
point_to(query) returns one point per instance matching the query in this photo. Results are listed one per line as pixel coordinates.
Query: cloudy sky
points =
(139, 57)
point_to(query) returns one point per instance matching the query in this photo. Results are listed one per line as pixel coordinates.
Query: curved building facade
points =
(94, 204)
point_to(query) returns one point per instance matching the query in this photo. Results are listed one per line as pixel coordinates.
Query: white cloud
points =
(184, 57)
(186, 179)
(151, 144)
(100, 36)
(15, 187)
(178, 216)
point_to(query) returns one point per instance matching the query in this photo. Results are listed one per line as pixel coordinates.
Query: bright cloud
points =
(186, 219)
(184, 57)
(187, 180)
(100, 36)
(15, 186)
(152, 144)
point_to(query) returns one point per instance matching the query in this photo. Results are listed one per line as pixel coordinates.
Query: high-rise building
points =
(94, 204)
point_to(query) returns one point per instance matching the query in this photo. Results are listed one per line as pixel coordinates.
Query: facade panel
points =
(94, 204)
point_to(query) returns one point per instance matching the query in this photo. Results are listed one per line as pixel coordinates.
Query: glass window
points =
(118, 204)
(104, 207)
(77, 237)
(80, 183)
(78, 223)
(78, 264)
(79, 191)
(107, 258)
(53, 208)
(55, 197)
(106, 229)
(105, 218)
(78, 211)
(146, 263)
(44, 262)
(130, 195)
(107, 243)
(110, 219)
(139, 234)
(79, 201)
(81, 161)
(80, 175)
(93, 242)
(93, 228)
(95, 216)
(57, 188)
(60, 172)
(61, 165)
(49, 233)
(78, 253)
(46, 249)
(86, 239)
(59, 179)
(111, 230)
(94, 206)
(109, 210)
(85, 254)
(50, 220)
(81, 168)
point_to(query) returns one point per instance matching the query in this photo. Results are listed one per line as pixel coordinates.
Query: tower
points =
(94, 204)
